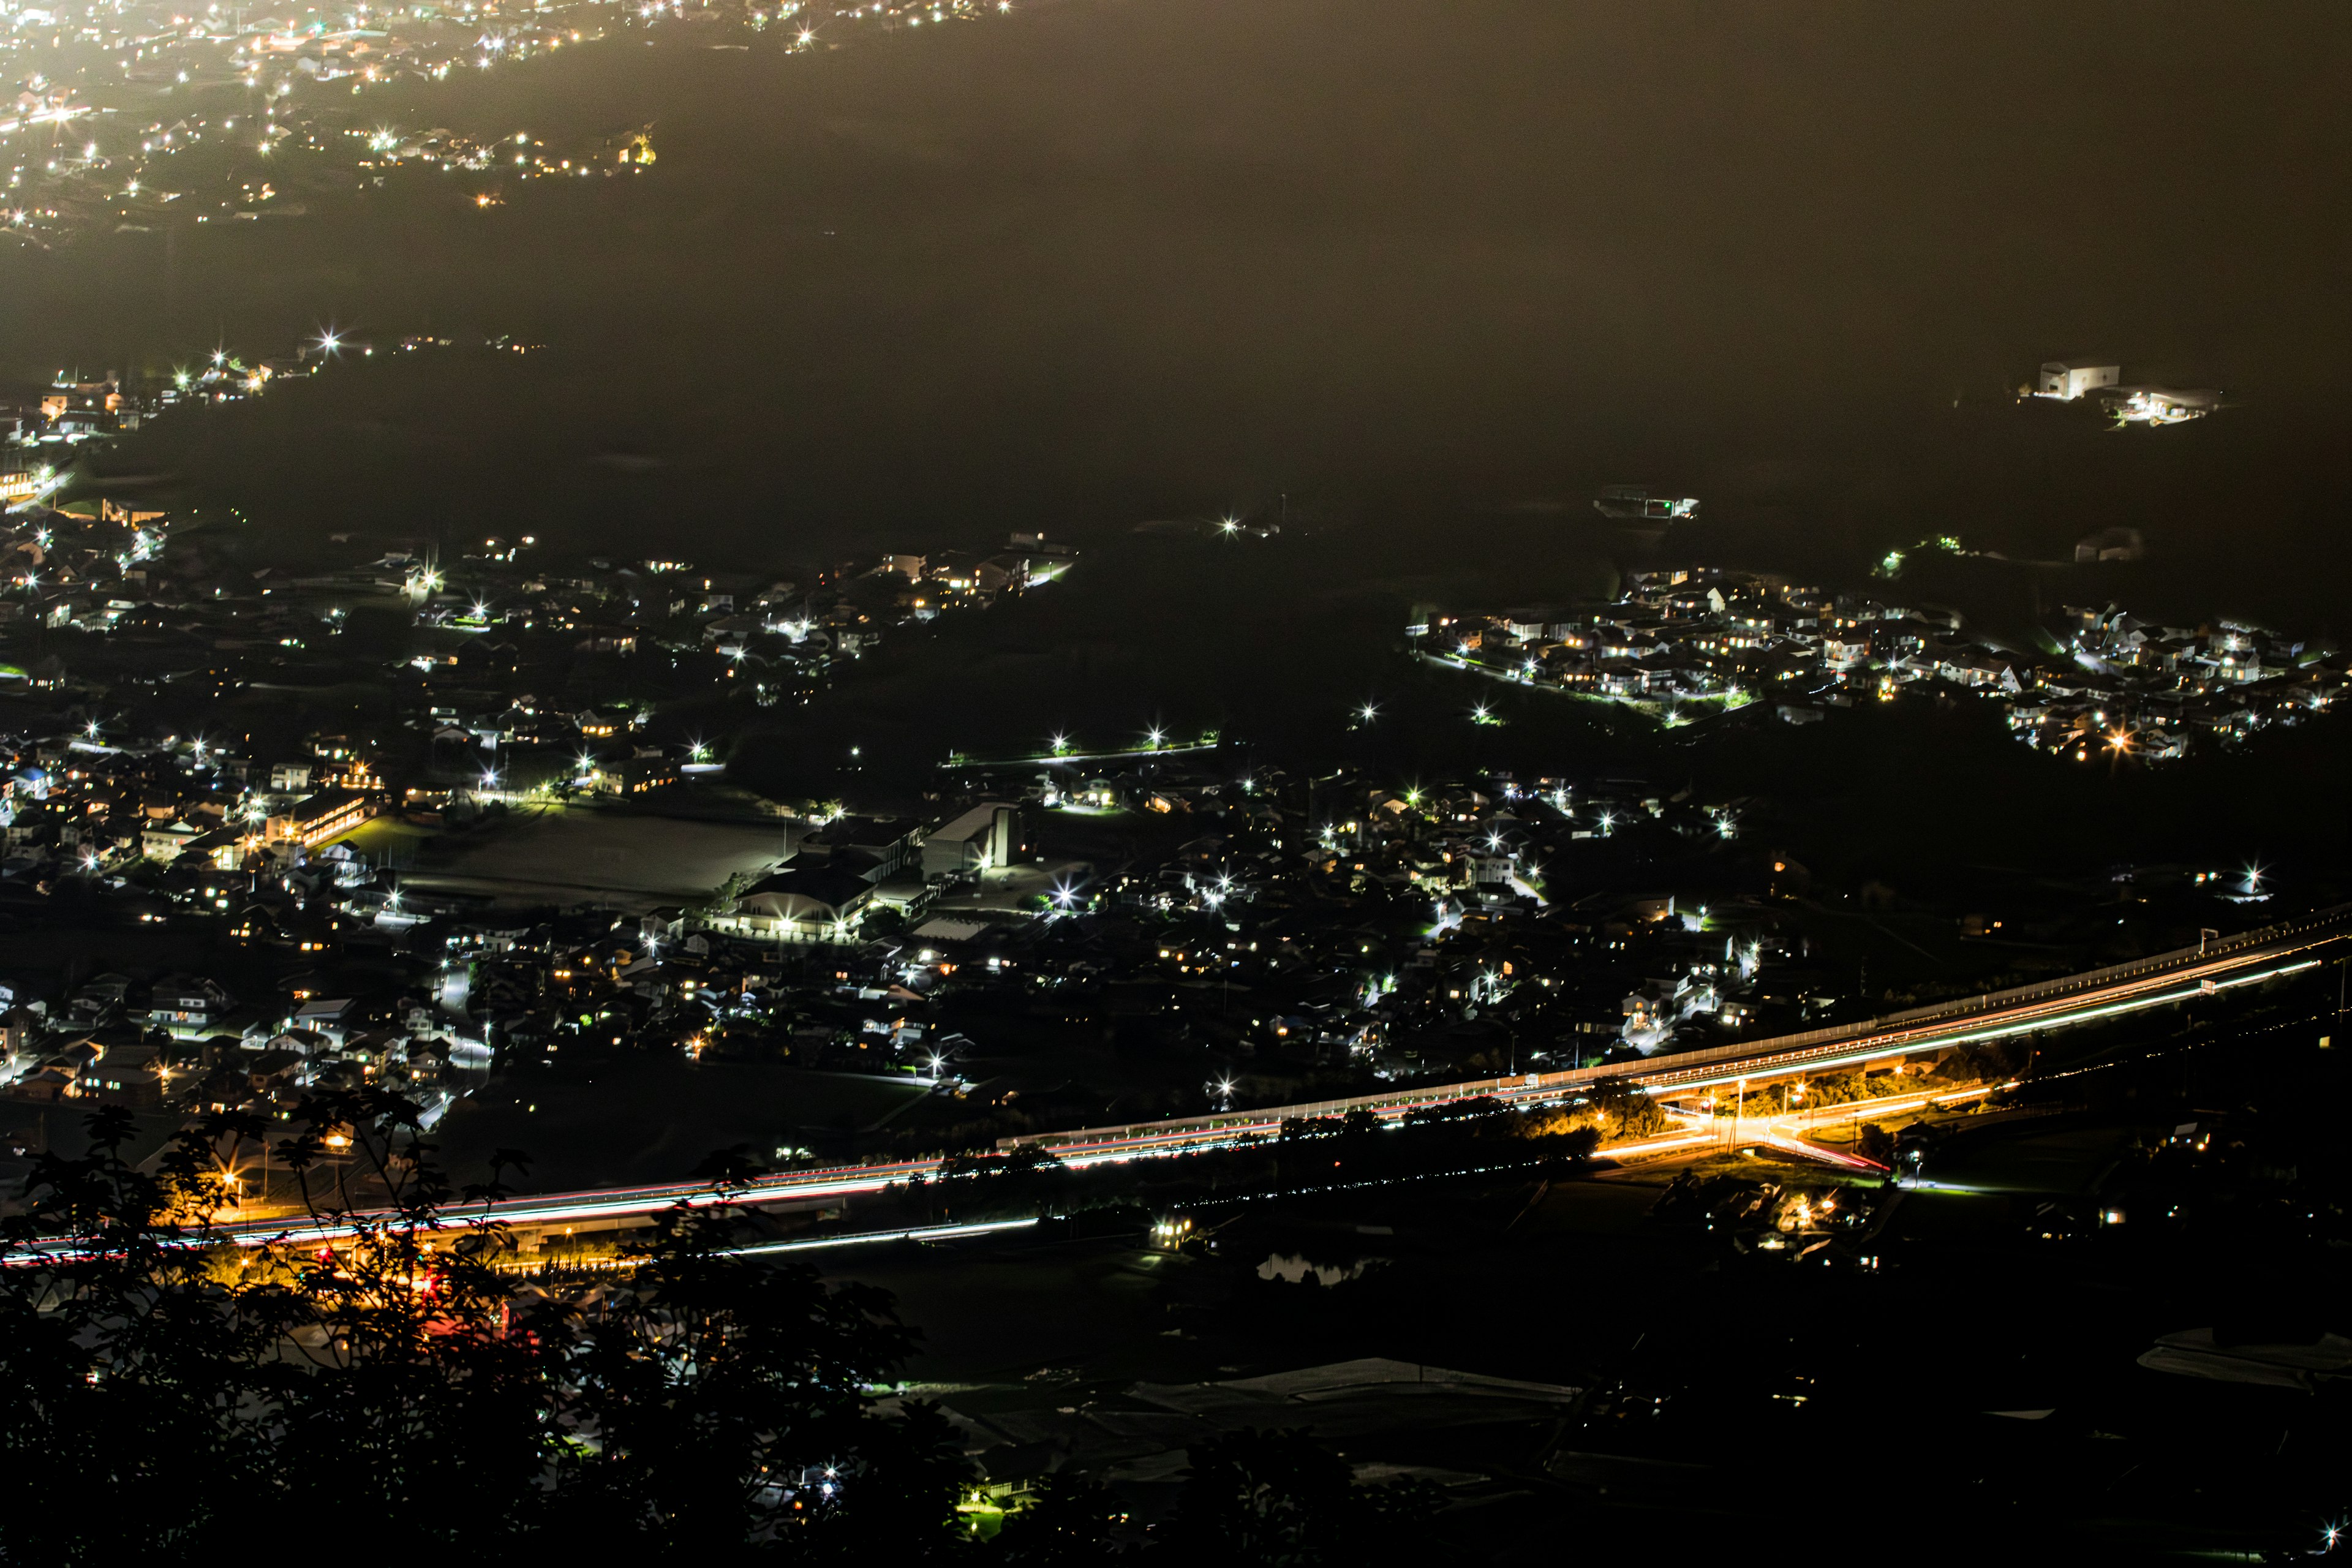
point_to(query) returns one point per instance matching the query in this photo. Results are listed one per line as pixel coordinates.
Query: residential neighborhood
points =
(2101, 682)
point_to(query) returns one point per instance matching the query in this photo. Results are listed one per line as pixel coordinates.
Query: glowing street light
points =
(1156, 736)
(1367, 713)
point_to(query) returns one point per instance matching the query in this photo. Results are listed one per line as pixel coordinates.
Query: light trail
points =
(919, 1232)
(2160, 981)
(1909, 1044)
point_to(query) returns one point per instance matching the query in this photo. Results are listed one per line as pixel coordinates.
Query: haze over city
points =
(1278, 782)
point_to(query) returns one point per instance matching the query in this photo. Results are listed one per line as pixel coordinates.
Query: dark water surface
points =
(1433, 270)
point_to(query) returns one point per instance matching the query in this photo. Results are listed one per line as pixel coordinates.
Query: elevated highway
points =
(2160, 981)
(2164, 980)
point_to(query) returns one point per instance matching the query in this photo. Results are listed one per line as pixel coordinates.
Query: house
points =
(168, 842)
(44, 1083)
(188, 1003)
(325, 1017)
(2067, 380)
(635, 776)
(19, 1026)
(124, 1076)
(1976, 668)
(2110, 544)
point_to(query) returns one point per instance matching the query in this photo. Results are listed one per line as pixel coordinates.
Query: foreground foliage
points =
(167, 1395)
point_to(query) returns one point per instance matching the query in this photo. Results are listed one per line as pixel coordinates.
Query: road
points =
(2163, 980)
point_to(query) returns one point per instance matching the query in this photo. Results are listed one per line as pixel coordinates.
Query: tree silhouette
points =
(394, 1376)
(402, 1383)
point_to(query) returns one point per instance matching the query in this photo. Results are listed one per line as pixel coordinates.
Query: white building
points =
(2067, 380)
(984, 838)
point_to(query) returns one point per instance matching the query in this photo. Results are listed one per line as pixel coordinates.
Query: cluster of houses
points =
(1294, 927)
(185, 769)
(1275, 927)
(1680, 641)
